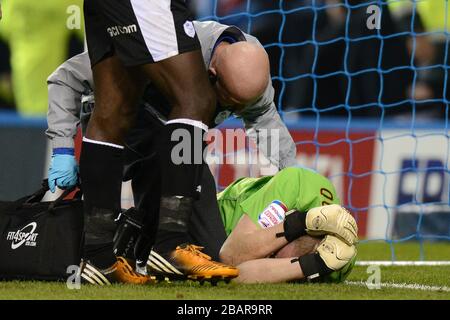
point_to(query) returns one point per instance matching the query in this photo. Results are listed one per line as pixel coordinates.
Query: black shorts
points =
(138, 31)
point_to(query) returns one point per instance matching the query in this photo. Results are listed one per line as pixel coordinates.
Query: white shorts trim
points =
(103, 143)
(190, 122)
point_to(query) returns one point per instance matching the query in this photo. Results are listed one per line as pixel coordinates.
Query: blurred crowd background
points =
(323, 56)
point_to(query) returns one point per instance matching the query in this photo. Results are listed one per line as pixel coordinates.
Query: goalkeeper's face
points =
(239, 74)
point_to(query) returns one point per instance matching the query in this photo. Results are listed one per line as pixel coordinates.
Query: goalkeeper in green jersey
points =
(279, 228)
(287, 227)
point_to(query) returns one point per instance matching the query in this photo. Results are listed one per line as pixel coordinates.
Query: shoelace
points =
(197, 251)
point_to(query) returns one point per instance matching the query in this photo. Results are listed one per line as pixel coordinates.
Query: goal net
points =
(362, 86)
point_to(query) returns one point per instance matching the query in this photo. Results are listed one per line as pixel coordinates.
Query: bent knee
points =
(112, 127)
(225, 256)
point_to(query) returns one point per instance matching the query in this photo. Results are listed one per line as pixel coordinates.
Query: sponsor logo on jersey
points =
(25, 236)
(189, 29)
(273, 214)
(118, 30)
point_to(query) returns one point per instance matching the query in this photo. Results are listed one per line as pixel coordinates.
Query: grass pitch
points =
(396, 283)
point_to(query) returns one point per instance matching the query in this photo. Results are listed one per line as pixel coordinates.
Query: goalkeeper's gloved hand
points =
(63, 170)
(330, 219)
(332, 255)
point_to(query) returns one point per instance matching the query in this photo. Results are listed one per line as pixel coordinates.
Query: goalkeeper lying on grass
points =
(271, 217)
(284, 227)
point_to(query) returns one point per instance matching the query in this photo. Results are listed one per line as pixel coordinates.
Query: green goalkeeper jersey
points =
(266, 200)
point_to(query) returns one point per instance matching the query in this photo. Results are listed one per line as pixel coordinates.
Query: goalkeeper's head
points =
(240, 73)
(306, 245)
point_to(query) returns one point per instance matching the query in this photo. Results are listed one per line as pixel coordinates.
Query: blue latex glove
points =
(63, 171)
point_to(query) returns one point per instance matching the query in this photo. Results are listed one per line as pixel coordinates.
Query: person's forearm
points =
(63, 115)
(258, 243)
(269, 271)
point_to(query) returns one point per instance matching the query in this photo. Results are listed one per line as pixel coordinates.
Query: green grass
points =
(380, 250)
(430, 276)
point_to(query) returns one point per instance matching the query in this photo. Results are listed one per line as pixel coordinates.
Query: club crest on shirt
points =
(189, 29)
